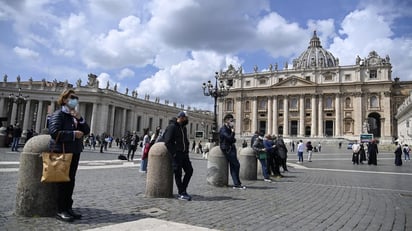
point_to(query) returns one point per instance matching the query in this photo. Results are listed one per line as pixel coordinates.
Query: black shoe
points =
(74, 215)
(65, 216)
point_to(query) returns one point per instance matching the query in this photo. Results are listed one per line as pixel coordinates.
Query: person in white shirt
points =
(300, 149)
(355, 153)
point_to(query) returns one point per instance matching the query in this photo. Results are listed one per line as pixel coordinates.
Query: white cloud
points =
(26, 53)
(125, 73)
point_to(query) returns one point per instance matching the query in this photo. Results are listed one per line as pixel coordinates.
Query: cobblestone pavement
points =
(329, 193)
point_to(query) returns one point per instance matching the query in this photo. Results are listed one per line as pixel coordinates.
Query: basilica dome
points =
(315, 56)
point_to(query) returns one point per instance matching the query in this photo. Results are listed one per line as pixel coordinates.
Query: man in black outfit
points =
(177, 144)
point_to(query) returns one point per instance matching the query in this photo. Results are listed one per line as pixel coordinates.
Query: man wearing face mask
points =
(228, 147)
(68, 127)
(177, 144)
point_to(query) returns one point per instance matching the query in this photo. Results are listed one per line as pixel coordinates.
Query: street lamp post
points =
(17, 99)
(216, 91)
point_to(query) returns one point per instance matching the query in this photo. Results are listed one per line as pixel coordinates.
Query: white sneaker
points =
(267, 180)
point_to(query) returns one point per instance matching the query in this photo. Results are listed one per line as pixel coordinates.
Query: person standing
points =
(134, 139)
(67, 127)
(282, 152)
(271, 164)
(193, 145)
(362, 154)
(300, 151)
(228, 147)
(177, 144)
(260, 149)
(309, 147)
(398, 153)
(355, 152)
(406, 151)
(319, 147)
(373, 153)
(254, 137)
(16, 137)
(145, 150)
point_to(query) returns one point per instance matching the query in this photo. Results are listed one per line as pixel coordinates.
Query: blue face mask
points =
(72, 103)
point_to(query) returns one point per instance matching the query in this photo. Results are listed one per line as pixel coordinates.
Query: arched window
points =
(229, 105)
(247, 106)
(348, 102)
(374, 102)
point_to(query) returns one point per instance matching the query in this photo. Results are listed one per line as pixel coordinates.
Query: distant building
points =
(106, 110)
(404, 118)
(315, 97)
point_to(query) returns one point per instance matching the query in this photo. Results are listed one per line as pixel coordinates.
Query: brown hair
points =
(64, 96)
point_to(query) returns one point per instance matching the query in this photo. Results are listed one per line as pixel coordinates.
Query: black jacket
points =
(64, 123)
(227, 138)
(175, 138)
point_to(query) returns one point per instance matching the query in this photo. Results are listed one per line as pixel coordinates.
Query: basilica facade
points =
(316, 97)
(105, 109)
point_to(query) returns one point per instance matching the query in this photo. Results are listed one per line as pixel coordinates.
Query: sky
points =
(168, 49)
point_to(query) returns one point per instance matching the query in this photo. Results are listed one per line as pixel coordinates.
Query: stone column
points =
(26, 120)
(248, 164)
(102, 126)
(338, 112)
(33, 197)
(320, 116)
(302, 115)
(275, 116)
(313, 130)
(358, 115)
(270, 115)
(159, 179)
(39, 116)
(3, 110)
(238, 116)
(123, 128)
(217, 168)
(285, 117)
(13, 113)
(93, 119)
(112, 119)
(254, 115)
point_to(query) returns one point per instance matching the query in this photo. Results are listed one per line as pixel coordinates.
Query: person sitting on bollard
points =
(260, 149)
(69, 126)
(177, 143)
(228, 147)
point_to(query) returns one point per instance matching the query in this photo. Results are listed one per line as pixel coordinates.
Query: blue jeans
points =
(143, 165)
(264, 168)
(15, 144)
(233, 164)
(300, 156)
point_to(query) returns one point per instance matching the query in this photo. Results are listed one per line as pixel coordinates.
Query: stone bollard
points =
(33, 197)
(217, 168)
(159, 180)
(3, 136)
(248, 164)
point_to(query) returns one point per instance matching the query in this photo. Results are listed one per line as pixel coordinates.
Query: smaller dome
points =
(315, 56)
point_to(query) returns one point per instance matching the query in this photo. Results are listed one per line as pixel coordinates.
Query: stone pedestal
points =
(248, 164)
(159, 180)
(217, 168)
(33, 197)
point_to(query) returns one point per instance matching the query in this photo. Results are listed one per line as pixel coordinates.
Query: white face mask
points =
(231, 124)
(72, 104)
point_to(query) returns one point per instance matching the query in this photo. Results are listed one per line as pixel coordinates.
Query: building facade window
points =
(348, 102)
(247, 83)
(373, 74)
(262, 102)
(348, 77)
(308, 103)
(293, 103)
(280, 104)
(246, 124)
(329, 102)
(247, 105)
(262, 82)
(229, 105)
(374, 102)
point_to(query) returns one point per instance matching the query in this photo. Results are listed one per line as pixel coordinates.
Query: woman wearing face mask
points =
(68, 127)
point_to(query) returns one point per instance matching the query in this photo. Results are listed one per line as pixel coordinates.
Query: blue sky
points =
(169, 48)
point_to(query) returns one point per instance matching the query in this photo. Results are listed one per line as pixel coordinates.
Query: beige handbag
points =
(56, 166)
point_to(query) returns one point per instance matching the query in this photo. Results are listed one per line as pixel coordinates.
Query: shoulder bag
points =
(56, 166)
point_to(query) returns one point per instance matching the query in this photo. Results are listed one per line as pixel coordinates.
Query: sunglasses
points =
(74, 97)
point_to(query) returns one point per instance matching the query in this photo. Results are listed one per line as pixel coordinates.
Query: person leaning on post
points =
(177, 143)
(70, 127)
(228, 147)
